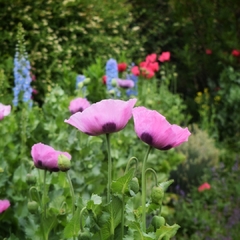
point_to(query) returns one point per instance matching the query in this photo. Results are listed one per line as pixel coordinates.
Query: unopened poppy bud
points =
(31, 179)
(32, 206)
(114, 82)
(80, 85)
(157, 195)
(64, 163)
(158, 221)
(134, 185)
(84, 236)
(86, 81)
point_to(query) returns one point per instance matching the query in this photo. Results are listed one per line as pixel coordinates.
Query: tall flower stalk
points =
(22, 77)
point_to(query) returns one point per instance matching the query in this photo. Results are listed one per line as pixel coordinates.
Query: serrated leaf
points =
(73, 226)
(167, 231)
(48, 224)
(121, 185)
(138, 233)
(113, 219)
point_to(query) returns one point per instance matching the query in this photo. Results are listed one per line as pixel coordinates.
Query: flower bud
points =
(157, 222)
(134, 185)
(114, 82)
(64, 163)
(86, 81)
(80, 85)
(84, 236)
(32, 206)
(31, 179)
(157, 195)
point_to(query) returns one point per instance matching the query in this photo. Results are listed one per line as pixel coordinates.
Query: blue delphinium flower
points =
(112, 73)
(80, 79)
(132, 91)
(22, 79)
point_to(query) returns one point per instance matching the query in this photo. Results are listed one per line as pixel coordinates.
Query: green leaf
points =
(138, 233)
(121, 185)
(167, 231)
(73, 226)
(113, 219)
(95, 204)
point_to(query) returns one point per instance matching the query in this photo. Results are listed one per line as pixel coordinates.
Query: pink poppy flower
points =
(165, 56)
(154, 66)
(4, 205)
(122, 67)
(236, 53)
(135, 70)
(151, 57)
(78, 105)
(125, 83)
(147, 72)
(208, 51)
(204, 186)
(153, 128)
(4, 110)
(106, 116)
(46, 157)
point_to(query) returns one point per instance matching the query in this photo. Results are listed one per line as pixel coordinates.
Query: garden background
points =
(198, 87)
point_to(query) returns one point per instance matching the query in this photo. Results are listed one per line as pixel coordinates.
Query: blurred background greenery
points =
(71, 37)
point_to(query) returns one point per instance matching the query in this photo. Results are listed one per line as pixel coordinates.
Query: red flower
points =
(204, 186)
(236, 53)
(148, 73)
(154, 66)
(122, 67)
(151, 57)
(165, 56)
(135, 70)
(208, 51)
(104, 79)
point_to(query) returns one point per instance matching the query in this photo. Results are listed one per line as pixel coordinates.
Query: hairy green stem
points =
(122, 216)
(44, 195)
(72, 192)
(129, 162)
(109, 169)
(80, 217)
(144, 190)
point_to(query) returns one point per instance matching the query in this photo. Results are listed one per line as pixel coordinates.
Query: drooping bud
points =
(157, 195)
(32, 206)
(157, 222)
(134, 186)
(86, 81)
(64, 163)
(31, 179)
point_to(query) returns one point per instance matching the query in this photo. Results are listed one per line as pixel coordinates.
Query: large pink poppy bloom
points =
(153, 128)
(46, 157)
(106, 116)
(78, 105)
(151, 57)
(165, 56)
(4, 205)
(125, 83)
(135, 70)
(4, 110)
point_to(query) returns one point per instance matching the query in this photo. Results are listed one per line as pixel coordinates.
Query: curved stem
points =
(154, 174)
(144, 190)
(38, 196)
(129, 162)
(80, 217)
(72, 192)
(109, 169)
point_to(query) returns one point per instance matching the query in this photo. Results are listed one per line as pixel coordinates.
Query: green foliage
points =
(212, 213)
(201, 153)
(64, 37)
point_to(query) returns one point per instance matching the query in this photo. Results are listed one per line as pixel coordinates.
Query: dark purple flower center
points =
(109, 127)
(54, 169)
(167, 147)
(39, 162)
(147, 138)
(80, 109)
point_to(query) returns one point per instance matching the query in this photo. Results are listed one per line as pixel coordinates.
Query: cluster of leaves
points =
(64, 37)
(214, 213)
